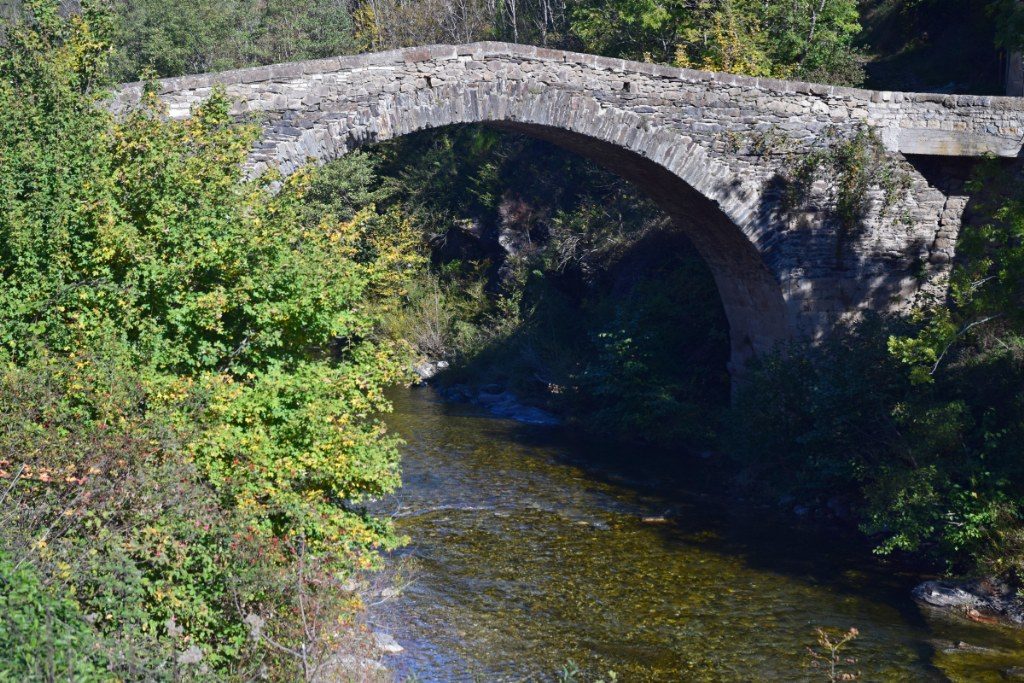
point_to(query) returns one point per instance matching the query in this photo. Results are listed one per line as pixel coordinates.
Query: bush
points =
(106, 509)
(44, 635)
(193, 373)
(930, 468)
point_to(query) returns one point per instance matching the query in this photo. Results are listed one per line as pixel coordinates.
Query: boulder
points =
(986, 601)
(385, 642)
(427, 369)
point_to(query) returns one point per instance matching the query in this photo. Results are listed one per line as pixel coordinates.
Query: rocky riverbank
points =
(495, 398)
(985, 601)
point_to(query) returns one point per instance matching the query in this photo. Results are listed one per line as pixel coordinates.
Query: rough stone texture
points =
(981, 600)
(672, 131)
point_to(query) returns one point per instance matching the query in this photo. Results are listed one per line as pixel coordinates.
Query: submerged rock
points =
(499, 402)
(986, 601)
(949, 647)
(456, 393)
(513, 410)
(352, 667)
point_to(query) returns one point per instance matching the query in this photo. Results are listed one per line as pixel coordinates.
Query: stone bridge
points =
(687, 138)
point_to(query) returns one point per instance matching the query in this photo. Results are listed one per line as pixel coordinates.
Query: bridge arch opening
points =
(700, 197)
(672, 131)
(750, 295)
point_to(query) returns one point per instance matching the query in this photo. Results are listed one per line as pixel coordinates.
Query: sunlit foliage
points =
(204, 351)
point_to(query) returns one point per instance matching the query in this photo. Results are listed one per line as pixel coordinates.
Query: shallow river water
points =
(527, 554)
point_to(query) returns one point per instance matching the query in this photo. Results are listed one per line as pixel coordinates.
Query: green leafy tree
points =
(175, 38)
(810, 39)
(224, 339)
(813, 39)
(637, 29)
(985, 309)
(45, 635)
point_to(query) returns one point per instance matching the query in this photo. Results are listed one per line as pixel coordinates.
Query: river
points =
(529, 551)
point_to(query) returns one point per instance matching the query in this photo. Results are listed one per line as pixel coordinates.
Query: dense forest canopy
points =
(922, 45)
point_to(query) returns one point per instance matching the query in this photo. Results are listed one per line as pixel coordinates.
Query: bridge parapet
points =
(911, 123)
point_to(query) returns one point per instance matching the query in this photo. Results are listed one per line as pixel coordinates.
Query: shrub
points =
(930, 468)
(193, 367)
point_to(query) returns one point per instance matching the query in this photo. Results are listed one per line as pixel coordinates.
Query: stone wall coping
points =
(492, 49)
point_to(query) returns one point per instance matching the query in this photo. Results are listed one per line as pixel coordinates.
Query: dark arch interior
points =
(750, 294)
(657, 292)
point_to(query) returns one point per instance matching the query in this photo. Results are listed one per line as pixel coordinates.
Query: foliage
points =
(634, 30)
(176, 38)
(197, 363)
(971, 346)
(559, 281)
(384, 24)
(986, 294)
(107, 513)
(727, 39)
(936, 45)
(906, 44)
(852, 170)
(1009, 21)
(345, 186)
(44, 635)
(810, 39)
(655, 366)
(928, 468)
(447, 314)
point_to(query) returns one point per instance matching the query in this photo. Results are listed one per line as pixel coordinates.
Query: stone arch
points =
(664, 132)
(685, 136)
(718, 211)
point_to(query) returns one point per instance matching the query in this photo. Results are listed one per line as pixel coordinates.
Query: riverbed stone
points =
(385, 642)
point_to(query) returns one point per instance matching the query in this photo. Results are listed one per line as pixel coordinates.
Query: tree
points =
(389, 24)
(638, 29)
(183, 347)
(172, 39)
(985, 309)
(810, 39)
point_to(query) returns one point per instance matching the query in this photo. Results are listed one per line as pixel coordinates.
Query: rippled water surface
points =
(525, 555)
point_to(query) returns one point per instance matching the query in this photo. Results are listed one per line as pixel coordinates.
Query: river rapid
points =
(530, 550)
